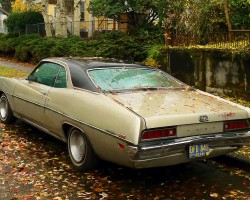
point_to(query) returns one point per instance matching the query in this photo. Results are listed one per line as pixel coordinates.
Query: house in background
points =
(88, 23)
(3, 15)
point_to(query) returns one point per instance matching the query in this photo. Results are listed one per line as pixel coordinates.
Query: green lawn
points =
(9, 72)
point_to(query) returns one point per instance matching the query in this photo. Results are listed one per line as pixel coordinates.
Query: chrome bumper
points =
(222, 143)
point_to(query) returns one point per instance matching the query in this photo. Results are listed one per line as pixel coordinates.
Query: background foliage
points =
(198, 17)
(16, 21)
(184, 16)
(145, 47)
(240, 10)
(6, 4)
(22, 6)
(139, 13)
(113, 45)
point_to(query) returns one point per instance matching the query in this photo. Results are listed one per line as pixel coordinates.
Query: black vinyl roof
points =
(94, 62)
(78, 68)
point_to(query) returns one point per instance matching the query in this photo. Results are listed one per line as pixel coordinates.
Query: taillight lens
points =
(159, 133)
(235, 125)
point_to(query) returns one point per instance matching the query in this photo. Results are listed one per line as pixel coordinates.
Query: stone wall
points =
(218, 72)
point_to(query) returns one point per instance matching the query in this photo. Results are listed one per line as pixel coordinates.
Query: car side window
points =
(60, 81)
(50, 74)
(46, 73)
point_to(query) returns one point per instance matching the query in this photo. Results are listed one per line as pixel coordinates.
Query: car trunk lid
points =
(197, 112)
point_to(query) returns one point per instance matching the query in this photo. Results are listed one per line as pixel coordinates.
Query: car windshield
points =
(131, 78)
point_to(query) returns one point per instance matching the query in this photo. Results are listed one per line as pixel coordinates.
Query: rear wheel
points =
(6, 114)
(80, 150)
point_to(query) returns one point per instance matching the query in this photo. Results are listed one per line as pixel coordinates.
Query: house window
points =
(82, 10)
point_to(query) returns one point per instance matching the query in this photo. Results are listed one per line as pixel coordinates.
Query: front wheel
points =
(80, 150)
(6, 115)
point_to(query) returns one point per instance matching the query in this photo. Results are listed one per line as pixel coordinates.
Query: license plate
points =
(198, 150)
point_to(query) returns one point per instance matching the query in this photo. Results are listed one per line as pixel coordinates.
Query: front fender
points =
(7, 86)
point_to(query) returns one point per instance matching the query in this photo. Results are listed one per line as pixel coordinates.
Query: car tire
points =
(6, 114)
(80, 150)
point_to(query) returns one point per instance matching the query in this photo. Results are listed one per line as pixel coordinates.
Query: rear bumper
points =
(175, 151)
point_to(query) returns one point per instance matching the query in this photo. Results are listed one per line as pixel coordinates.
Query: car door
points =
(30, 95)
(54, 105)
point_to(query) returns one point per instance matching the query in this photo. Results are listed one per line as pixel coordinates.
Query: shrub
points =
(8, 44)
(22, 54)
(16, 21)
(112, 45)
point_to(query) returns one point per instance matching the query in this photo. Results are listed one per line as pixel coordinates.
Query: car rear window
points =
(131, 78)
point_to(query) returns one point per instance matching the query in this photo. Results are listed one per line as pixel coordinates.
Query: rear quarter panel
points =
(105, 122)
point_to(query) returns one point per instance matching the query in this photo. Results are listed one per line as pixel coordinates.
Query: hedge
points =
(118, 45)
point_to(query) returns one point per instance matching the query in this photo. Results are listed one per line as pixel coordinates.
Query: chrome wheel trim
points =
(3, 107)
(77, 145)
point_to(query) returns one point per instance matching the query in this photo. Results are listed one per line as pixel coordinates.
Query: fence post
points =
(167, 39)
(91, 26)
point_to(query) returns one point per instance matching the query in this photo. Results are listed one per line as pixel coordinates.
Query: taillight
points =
(235, 125)
(158, 133)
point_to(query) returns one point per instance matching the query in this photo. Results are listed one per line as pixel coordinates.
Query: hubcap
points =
(3, 107)
(77, 145)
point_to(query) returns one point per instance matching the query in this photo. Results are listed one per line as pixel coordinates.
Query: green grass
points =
(9, 72)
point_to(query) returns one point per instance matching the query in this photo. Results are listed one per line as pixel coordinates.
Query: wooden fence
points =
(232, 39)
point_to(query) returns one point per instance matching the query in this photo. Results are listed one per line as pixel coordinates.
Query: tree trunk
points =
(61, 19)
(48, 25)
(229, 24)
(77, 16)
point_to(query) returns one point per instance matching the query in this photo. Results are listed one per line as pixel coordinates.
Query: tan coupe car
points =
(132, 115)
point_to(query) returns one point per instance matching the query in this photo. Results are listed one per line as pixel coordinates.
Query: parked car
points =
(132, 115)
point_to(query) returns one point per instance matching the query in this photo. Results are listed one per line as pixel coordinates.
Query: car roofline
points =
(93, 62)
(79, 67)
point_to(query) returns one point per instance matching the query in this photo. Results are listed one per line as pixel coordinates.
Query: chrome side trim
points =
(72, 118)
(29, 101)
(89, 125)
(7, 93)
(43, 129)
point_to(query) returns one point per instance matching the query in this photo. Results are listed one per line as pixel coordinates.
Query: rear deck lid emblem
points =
(203, 118)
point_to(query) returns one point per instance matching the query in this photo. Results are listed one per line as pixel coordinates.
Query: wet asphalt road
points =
(36, 166)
